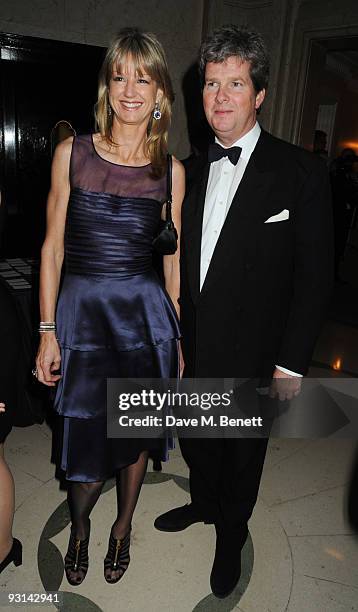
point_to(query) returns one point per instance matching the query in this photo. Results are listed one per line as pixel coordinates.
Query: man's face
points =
(230, 101)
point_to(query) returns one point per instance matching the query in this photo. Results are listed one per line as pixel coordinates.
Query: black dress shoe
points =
(157, 465)
(226, 570)
(14, 555)
(180, 518)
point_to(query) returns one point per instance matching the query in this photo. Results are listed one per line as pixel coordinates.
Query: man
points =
(256, 274)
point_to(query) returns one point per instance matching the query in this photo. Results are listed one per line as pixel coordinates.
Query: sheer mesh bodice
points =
(91, 172)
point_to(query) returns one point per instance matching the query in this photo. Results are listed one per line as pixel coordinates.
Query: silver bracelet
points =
(47, 326)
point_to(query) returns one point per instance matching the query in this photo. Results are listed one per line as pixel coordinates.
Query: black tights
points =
(82, 497)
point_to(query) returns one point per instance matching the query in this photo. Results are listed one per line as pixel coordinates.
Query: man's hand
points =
(181, 361)
(284, 386)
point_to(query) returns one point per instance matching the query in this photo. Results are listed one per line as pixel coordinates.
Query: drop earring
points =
(156, 113)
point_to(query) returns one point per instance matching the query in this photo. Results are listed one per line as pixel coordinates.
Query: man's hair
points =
(248, 45)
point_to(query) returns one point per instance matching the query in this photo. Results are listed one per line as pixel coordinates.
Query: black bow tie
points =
(216, 152)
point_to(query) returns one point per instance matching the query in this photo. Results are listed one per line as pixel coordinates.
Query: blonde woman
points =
(114, 318)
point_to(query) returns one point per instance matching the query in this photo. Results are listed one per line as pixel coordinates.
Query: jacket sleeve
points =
(313, 271)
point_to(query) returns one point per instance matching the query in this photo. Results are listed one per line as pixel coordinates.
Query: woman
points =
(114, 318)
(10, 548)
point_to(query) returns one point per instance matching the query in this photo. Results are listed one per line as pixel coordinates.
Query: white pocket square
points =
(282, 216)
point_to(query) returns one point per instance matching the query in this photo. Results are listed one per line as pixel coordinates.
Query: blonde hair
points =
(147, 53)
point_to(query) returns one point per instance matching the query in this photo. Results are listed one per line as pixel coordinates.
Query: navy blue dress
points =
(114, 317)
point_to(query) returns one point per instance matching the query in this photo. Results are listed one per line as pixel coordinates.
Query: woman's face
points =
(132, 96)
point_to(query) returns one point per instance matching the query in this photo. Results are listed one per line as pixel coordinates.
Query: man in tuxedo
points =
(256, 266)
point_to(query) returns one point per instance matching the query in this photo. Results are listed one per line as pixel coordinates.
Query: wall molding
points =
(305, 38)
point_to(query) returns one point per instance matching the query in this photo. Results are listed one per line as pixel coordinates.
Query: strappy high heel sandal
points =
(76, 559)
(15, 555)
(117, 557)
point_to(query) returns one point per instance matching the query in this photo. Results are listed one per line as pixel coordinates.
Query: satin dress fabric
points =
(114, 317)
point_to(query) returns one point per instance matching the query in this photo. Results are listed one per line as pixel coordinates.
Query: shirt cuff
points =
(286, 371)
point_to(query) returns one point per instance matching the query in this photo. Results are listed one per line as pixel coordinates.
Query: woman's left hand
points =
(2, 407)
(181, 361)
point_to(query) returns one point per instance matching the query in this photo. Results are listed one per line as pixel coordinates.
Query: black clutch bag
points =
(166, 241)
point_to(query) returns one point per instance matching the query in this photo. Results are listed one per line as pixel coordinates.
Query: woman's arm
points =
(171, 262)
(48, 357)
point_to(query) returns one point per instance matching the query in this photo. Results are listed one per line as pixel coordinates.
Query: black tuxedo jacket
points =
(267, 285)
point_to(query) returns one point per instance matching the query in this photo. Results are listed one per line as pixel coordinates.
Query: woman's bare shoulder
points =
(178, 168)
(64, 149)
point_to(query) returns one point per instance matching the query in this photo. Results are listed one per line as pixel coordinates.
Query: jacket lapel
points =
(192, 228)
(246, 213)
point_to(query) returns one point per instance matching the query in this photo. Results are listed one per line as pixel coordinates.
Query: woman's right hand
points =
(48, 359)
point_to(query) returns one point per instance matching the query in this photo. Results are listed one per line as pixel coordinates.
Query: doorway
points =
(331, 94)
(42, 82)
(329, 128)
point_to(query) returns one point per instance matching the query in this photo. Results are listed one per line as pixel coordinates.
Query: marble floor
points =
(301, 555)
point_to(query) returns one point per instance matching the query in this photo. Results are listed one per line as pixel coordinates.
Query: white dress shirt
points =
(224, 179)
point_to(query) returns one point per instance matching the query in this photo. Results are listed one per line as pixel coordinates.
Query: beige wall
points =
(315, 85)
(288, 26)
(178, 25)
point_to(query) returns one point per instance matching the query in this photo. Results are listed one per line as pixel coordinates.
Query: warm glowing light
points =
(332, 552)
(337, 364)
(349, 144)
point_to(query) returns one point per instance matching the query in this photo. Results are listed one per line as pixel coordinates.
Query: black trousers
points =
(225, 477)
